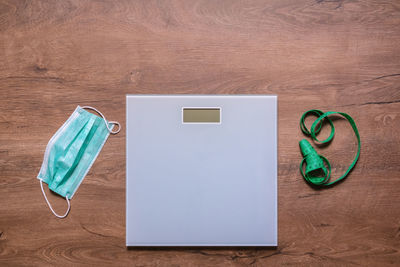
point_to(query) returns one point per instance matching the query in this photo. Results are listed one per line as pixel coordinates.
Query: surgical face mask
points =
(71, 152)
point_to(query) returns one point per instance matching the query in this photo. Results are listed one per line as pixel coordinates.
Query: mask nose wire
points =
(51, 208)
(105, 121)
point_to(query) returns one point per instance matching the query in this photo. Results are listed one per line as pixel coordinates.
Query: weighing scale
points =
(201, 170)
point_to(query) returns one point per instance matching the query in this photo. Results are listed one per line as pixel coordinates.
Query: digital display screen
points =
(201, 115)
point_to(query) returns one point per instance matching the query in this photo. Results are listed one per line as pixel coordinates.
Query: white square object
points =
(206, 181)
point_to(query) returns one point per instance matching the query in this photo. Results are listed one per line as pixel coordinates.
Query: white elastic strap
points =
(105, 121)
(48, 203)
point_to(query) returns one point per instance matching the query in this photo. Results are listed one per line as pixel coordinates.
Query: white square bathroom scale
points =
(201, 170)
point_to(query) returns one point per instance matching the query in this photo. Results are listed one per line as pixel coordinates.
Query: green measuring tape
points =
(318, 169)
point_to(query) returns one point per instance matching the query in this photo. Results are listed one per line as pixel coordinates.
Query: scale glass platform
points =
(201, 170)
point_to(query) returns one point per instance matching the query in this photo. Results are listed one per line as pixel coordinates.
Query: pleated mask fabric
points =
(72, 151)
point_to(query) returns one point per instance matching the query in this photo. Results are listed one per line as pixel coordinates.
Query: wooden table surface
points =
(332, 55)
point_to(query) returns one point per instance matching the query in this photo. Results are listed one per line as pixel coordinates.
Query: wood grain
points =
(341, 55)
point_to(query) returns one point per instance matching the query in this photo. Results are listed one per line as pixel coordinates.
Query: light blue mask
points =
(71, 152)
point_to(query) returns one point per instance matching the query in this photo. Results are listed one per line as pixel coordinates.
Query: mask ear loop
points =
(51, 208)
(105, 121)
